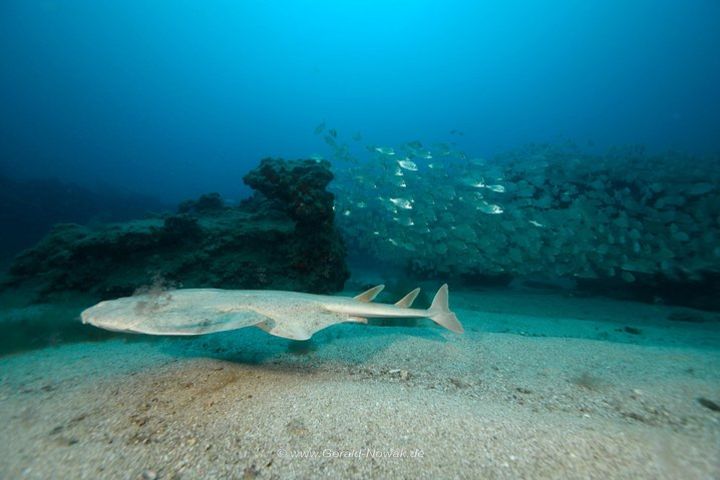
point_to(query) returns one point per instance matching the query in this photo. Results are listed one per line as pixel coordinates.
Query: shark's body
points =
(285, 314)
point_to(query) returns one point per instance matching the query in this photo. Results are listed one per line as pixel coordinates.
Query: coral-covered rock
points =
(300, 186)
(210, 202)
(282, 238)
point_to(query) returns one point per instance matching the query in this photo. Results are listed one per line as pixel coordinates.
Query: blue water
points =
(557, 163)
(180, 98)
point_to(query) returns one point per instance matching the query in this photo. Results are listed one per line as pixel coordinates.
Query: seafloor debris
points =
(283, 237)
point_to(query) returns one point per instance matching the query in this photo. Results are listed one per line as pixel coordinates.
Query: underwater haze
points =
(359, 239)
(180, 98)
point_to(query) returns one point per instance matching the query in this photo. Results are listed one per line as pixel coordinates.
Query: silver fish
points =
(402, 203)
(408, 164)
(490, 208)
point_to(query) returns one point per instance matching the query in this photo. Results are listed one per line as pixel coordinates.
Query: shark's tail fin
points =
(439, 312)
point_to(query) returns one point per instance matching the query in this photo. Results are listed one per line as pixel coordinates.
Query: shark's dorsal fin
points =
(407, 300)
(369, 295)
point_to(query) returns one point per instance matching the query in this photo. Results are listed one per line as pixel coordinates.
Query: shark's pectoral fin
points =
(266, 325)
(284, 330)
(280, 327)
(369, 295)
(358, 320)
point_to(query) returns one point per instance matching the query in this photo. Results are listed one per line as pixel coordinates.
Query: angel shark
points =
(293, 315)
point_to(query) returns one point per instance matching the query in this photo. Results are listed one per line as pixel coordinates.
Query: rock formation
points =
(283, 237)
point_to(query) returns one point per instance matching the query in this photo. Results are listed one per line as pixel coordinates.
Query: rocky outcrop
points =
(283, 237)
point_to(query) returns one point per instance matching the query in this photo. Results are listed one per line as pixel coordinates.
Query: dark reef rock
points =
(283, 238)
(29, 208)
(300, 188)
(210, 202)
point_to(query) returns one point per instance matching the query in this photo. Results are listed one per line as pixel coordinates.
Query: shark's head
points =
(104, 316)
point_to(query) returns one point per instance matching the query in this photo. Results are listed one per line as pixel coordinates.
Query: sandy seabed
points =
(539, 386)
